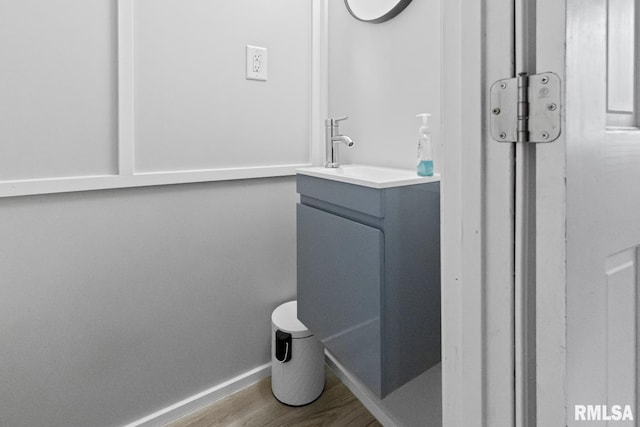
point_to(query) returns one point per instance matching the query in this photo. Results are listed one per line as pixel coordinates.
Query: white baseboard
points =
(203, 399)
(365, 397)
(417, 403)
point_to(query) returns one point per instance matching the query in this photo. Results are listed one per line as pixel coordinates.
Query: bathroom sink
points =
(369, 176)
(368, 270)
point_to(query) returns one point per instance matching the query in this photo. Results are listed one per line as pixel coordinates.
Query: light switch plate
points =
(256, 63)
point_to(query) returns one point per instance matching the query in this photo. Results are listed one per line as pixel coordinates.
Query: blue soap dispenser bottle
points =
(425, 147)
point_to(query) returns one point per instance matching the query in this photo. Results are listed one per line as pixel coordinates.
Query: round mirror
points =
(375, 11)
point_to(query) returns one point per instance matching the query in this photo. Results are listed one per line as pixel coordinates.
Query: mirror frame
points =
(395, 10)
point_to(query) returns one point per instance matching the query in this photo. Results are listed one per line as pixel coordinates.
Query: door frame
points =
(551, 231)
(478, 188)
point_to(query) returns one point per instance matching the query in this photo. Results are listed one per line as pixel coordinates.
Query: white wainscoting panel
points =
(194, 108)
(127, 93)
(58, 88)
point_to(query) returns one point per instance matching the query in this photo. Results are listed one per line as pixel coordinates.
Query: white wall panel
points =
(195, 109)
(58, 82)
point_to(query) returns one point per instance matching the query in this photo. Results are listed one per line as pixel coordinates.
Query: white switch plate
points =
(256, 63)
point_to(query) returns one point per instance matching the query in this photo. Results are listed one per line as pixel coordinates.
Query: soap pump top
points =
(425, 123)
(425, 149)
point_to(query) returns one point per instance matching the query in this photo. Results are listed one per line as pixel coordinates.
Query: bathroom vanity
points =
(369, 270)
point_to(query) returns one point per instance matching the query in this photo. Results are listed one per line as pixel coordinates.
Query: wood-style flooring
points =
(255, 406)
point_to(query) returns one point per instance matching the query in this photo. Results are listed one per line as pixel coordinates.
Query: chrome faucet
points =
(332, 139)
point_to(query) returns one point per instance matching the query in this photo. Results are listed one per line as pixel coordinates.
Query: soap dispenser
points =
(425, 147)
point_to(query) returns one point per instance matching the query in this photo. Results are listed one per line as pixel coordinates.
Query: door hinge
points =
(526, 108)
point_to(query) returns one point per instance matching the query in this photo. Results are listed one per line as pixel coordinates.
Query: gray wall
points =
(117, 303)
(381, 76)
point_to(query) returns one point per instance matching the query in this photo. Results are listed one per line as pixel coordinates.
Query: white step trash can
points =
(297, 358)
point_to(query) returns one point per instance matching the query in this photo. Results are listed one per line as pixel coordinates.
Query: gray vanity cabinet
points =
(369, 276)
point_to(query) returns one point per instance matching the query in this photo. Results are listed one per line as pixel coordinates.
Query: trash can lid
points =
(285, 318)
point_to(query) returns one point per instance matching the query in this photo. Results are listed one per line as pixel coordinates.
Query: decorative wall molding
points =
(126, 112)
(104, 182)
(127, 175)
(319, 79)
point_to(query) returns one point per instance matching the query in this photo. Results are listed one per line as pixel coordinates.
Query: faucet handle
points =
(335, 122)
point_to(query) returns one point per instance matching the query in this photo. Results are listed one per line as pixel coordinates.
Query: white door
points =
(588, 213)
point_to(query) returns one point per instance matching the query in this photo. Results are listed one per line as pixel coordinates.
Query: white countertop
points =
(369, 176)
